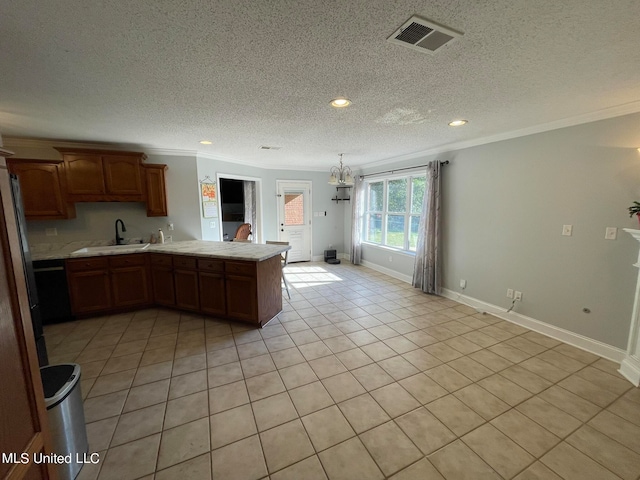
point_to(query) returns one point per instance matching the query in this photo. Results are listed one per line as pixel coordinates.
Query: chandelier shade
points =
(341, 175)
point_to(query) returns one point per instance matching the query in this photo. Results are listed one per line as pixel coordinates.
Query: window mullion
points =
(407, 214)
(385, 212)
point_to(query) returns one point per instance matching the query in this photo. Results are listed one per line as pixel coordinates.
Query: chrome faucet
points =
(119, 239)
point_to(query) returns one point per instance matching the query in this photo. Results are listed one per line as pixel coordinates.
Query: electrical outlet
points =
(518, 296)
(567, 230)
(168, 239)
(611, 233)
(169, 226)
(212, 224)
(463, 284)
(50, 232)
(390, 258)
(510, 292)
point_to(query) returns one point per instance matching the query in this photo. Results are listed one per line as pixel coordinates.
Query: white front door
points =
(294, 218)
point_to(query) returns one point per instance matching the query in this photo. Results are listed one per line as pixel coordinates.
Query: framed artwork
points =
(209, 197)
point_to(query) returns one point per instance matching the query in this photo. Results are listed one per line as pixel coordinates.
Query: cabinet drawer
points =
(211, 265)
(126, 260)
(161, 260)
(240, 268)
(86, 264)
(184, 262)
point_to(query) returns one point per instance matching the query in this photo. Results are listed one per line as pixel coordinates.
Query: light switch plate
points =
(567, 230)
(611, 233)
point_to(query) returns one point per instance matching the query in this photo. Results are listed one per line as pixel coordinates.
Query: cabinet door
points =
(84, 174)
(156, 190)
(90, 291)
(212, 293)
(186, 282)
(130, 286)
(163, 287)
(122, 175)
(43, 193)
(241, 298)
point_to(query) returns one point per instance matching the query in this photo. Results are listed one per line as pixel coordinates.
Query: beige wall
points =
(504, 205)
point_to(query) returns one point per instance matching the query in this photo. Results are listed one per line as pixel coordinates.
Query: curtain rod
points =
(446, 162)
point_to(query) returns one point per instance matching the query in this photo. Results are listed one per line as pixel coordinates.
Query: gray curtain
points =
(250, 207)
(356, 221)
(428, 265)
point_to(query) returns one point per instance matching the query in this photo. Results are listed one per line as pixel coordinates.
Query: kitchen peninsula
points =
(238, 281)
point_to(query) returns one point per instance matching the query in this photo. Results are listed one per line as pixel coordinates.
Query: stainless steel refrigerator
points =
(34, 305)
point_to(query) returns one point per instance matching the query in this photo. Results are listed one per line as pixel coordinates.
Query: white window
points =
(392, 211)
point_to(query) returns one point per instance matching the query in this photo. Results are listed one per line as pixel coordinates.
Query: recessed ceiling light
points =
(457, 123)
(206, 142)
(340, 102)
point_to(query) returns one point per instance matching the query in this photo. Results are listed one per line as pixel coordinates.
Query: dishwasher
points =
(53, 293)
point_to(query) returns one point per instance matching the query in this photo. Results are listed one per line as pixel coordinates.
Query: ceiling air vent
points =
(423, 35)
(269, 147)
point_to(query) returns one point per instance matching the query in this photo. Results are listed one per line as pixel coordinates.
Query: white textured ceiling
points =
(165, 74)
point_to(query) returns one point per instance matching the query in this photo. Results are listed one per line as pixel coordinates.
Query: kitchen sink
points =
(107, 249)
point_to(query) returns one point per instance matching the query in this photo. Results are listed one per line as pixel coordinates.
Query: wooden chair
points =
(285, 261)
(242, 233)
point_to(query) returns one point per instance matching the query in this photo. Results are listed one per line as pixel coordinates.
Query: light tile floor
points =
(361, 377)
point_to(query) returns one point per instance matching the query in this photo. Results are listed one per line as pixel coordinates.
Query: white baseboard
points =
(596, 347)
(630, 369)
(387, 271)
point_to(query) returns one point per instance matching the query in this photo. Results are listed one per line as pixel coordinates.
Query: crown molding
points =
(604, 114)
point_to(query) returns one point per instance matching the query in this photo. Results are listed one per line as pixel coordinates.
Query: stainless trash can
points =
(63, 399)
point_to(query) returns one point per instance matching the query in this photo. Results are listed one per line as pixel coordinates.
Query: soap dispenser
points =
(160, 236)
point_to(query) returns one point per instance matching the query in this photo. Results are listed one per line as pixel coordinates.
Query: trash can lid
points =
(58, 381)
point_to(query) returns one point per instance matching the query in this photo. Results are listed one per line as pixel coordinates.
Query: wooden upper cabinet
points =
(43, 188)
(84, 174)
(156, 190)
(103, 175)
(123, 175)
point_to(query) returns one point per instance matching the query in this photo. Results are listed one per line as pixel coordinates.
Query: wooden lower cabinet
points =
(129, 280)
(241, 294)
(100, 284)
(185, 279)
(163, 289)
(89, 285)
(186, 284)
(212, 293)
(239, 290)
(164, 292)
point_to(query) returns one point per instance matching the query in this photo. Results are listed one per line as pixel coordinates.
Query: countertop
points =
(255, 252)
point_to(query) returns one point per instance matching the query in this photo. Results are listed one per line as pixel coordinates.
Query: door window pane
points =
(376, 196)
(374, 227)
(293, 208)
(417, 193)
(397, 201)
(395, 231)
(413, 233)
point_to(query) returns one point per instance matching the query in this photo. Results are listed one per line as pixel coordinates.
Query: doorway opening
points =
(240, 202)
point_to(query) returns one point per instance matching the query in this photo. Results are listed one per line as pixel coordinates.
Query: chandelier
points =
(341, 175)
